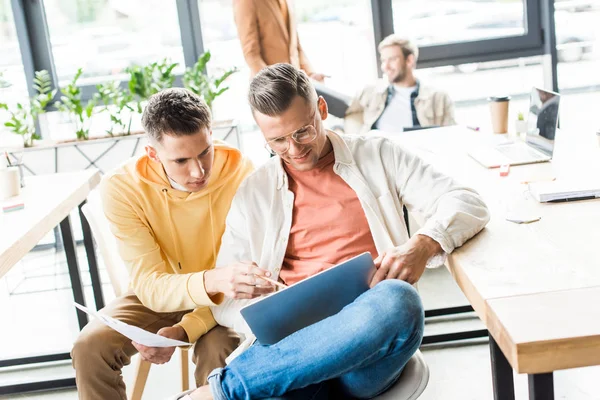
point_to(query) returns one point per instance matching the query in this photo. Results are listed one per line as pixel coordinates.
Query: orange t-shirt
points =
(328, 223)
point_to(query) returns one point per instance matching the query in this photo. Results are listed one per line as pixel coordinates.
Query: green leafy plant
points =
(207, 86)
(22, 119)
(144, 81)
(20, 122)
(70, 102)
(42, 83)
(115, 101)
(163, 76)
(140, 83)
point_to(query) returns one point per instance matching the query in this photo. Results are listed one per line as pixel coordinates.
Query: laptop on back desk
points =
(538, 147)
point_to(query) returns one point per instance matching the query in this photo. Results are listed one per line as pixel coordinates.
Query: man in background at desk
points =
(399, 100)
(268, 35)
(167, 211)
(324, 199)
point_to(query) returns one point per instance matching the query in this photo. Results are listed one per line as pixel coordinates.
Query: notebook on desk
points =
(565, 190)
(539, 141)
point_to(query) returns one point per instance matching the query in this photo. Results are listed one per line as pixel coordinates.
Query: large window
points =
(106, 36)
(578, 48)
(442, 22)
(219, 35)
(458, 31)
(470, 85)
(434, 22)
(337, 37)
(13, 86)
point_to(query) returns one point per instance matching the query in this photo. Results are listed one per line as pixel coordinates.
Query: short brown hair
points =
(273, 89)
(175, 112)
(405, 45)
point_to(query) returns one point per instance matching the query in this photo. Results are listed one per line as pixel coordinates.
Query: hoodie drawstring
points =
(172, 229)
(212, 228)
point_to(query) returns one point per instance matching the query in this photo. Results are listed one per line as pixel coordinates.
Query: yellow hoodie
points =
(167, 237)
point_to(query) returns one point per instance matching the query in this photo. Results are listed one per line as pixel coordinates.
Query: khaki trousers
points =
(100, 353)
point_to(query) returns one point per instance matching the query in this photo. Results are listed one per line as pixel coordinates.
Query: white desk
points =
(535, 286)
(48, 201)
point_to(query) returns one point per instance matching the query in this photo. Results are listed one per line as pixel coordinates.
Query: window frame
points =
(529, 44)
(36, 48)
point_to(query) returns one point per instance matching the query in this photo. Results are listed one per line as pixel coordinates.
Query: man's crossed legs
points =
(359, 352)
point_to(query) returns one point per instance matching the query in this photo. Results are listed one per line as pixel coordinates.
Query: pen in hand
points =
(274, 282)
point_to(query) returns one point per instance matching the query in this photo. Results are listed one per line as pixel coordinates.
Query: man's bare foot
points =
(202, 393)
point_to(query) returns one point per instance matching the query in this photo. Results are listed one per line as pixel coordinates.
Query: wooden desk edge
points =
(529, 357)
(25, 244)
(534, 358)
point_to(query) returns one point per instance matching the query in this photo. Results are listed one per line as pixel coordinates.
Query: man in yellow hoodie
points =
(167, 211)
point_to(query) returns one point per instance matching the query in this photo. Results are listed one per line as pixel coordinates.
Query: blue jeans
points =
(360, 352)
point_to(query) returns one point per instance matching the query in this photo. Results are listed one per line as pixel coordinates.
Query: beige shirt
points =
(434, 108)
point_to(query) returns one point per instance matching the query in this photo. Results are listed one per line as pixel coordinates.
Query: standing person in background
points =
(268, 34)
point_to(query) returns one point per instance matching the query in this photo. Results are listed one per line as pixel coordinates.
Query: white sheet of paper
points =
(522, 217)
(134, 333)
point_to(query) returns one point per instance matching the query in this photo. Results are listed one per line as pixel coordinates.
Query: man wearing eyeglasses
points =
(323, 199)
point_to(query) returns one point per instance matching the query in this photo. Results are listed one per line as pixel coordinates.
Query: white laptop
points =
(539, 141)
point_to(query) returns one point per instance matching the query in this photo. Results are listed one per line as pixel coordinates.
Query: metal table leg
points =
(71, 253)
(88, 243)
(541, 386)
(502, 374)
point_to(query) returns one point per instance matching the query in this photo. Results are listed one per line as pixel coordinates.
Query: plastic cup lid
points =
(499, 98)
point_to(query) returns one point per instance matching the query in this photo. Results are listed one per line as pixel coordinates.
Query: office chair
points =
(119, 280)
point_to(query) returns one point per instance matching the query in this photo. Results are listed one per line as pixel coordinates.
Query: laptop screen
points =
(542, 120)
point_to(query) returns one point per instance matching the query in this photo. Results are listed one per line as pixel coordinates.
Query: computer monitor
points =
(542, 120)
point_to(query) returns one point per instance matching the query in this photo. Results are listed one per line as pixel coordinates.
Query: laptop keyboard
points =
(517, 153)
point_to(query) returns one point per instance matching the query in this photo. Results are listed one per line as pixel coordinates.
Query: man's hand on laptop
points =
(161, 355)
(238, 281)
(406, 262)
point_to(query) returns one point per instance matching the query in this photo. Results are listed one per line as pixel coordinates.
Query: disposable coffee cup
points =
(10, 183)
(499, 113)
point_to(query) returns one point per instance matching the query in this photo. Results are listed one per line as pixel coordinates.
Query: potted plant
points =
(200, 82)
(144, 81)
(116, 101)
(80, 112)
(23, 117)
(520, 124)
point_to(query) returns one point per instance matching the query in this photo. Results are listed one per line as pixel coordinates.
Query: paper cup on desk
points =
(499, 113)
(10, 183)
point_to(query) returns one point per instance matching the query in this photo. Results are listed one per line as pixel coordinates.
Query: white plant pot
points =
(520, 126)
